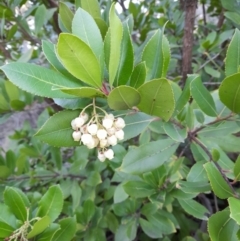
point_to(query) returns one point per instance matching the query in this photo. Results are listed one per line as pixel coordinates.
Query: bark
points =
(189, 7)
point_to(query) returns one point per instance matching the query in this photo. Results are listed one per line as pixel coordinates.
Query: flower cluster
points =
(98, 133)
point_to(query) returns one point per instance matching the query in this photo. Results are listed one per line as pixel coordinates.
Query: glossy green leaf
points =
(148, 157)
(203, 98)
(68, 228)
(76, 193)
(156, 55)
(88, 211)
(39, 227)
(232, 61)
(229, 92)
(51, 203)
(5, 230)
(151, 229)
(221, 227)
(126, 60)
(5, 172)
(138, 76)
(84, 92)
(92, 7)
(194, 208)
(123, 98)
(234, 205)
(236, 169)
(49, 232)
(12, 91)
(185, 96)
(79, 59)
(66, 16)
(17, 202)
(194, 187)
(40, 17)
(175, 132)
(38, 80)
(112, 222)
(119, 195)
(17, 105)
(57, 131)
(102, 26)
(197, 173)
(116, 34)
(72, 104)
(157, 98)
(138, 189)
(84, 27)
(219, 185)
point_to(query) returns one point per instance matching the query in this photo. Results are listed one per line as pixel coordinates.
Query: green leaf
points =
(76, 193)
(51, 203)
(156, 54)
(112, 222)
(88, 211)
(221, 227)
(175, 132)
(79, 59)
(72, 104)
(157, 98)
(38, 80)
(68, 228)
(84, 27)
(197, 173)
(194, 208)
(84, 92)
(219, 185)
(17, 202)
(5, 172)
(138, 189)
(234, 17)
(123, 98)
(92, 7)
(232, 61)
(116, 34)
(57, 130)
(119, 195)
(151, 229)
(136, 123)
(7, 216)
(203, 98)
(40, 17)
(236, 169)
(5, 230)
(138, 76)
(194, 187)
(229, 92)
(102, 26)
(66, 16)
(48, 233)
(12, 91)
(17, 105)
(39, 227)
(148, 157)
(126, 60)
(234, 205)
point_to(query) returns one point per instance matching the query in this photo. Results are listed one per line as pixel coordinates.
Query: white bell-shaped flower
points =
(73, 124)
(111, 131)
(86, 139)
(112, 140)
(79, 122)
(101, 156)
(101, 134)
(85, 117)
(109, 154)
(76, 135)
(103, 143)
(119, 135)
(107, 123)
(92, 129)
(119, 123)
(91, 144)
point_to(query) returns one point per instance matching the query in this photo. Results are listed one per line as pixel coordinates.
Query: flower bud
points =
(86, 139)
(76, 135)
(73, 124)
(91, 144)
(101, 134)
(84, 115)
(112, 140)
(111, 131)
(109, 116)
(103, 143)
(109, 154)
(101, 156)
(119, 134)
(107, 123)
(119, 123)
(79, 122)
(92, 129)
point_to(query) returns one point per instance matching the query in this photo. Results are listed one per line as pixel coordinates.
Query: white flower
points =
(83, 129)
(76, 135)
(79, 122)
(119, 123)
(109, 154)
(119, 134)
(91, 144)
(101, 156)
(112, 140)
(73, 124)
(111, 131)
(96, 141)
(84, 115)
(110, 116)
(103, 143)
(92, 129)
(86, 139)
(101, 134)
(107, 123)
